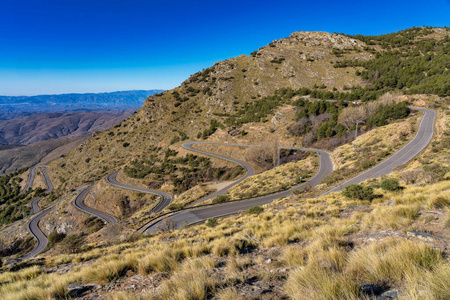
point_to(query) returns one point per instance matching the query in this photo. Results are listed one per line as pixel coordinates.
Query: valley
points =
(246, 181)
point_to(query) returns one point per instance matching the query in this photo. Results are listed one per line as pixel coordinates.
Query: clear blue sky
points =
(60, 46)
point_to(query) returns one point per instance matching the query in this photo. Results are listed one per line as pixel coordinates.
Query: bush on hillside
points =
(55, 237)
(390, 185)
(221, 198)
(72, 243)
(255, 210)
(357, 191)
(211, 222)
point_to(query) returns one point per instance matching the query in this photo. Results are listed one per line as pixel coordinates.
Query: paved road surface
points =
(41, 238)
(35, 202)
(250, 171)
(79, 203)
(414, 147)
(30, 179)
(33, 228)
(166, 198)
(417, 144)
(198, 215)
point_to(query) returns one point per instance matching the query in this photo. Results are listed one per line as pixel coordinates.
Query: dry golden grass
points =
(429, 284)
(276, 179)
(391, 217)
(315, 282)
(229, 293)
(392, 261)
(318, 248)
(192, 282)
(24, 274)
(386, 138)
(110, 270)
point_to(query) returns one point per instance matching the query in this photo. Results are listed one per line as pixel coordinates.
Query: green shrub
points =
(55, 237)
(211, 222)
(357, 191)
(255, 210)
(72, 243)
(221, 198)
(390, 185)
(176, 206)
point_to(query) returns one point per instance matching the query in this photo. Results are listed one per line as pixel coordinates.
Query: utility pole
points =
(279, 153)
(356, 134)
(276, 153)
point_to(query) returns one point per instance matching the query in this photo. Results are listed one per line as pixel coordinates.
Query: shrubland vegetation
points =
(407, 62)
(324, 120)
(184, 172)
(351, 245)
(309, 248)
(274, 180)
(13, 203)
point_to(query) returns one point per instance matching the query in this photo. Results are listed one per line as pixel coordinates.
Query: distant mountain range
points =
(18, 106)
(40, 127)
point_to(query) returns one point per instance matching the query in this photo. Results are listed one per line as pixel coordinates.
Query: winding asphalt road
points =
(35, 203)
(166, 198)
(79, 203)
(193, 216)
(250, 171)
(33, 228)
(414, 147)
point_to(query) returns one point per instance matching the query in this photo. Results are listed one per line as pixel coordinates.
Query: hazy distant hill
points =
(17, 106)
(40, 127)
(42, 152)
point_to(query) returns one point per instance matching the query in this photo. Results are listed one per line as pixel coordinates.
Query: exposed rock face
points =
(300, 60)
(325, 39)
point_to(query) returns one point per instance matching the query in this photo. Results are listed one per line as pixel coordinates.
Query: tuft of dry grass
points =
(439, 201)
(24, 274)
(391, 217)
(392, 261)
(223, 247)
(111, 270)
(229, 293)
(315, 282)
(429, 284)
(294, 256)
(192, 282)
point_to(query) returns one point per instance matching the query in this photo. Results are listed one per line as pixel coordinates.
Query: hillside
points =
(384, 238)
(27, 156)
(220, 93)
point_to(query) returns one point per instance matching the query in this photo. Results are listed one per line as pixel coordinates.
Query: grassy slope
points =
(159, 120)
(326, 248)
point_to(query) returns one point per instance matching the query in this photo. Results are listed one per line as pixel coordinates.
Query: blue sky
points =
(62, 46)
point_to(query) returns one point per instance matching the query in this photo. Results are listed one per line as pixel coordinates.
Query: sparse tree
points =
(410, 176)
(260, 156)
(350, 115)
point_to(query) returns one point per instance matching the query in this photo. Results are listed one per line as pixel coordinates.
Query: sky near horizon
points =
(65, 46)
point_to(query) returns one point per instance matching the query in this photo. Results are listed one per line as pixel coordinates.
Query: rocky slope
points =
(393, 244)
(301, 60)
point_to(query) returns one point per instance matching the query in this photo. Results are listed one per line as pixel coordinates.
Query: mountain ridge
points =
(16, 106)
